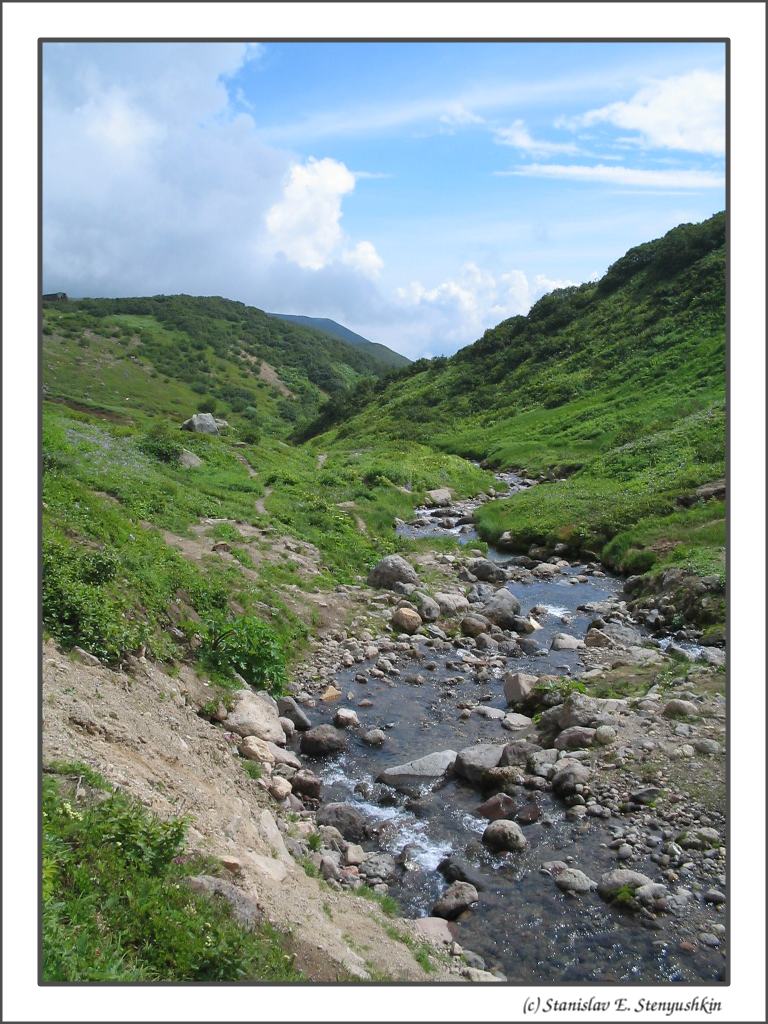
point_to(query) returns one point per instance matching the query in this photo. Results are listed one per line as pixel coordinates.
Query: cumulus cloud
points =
(615, 175)
(518, 136)
(305, 223)
(686, 112)
(458, 310)
(155, 181)
(364, 258)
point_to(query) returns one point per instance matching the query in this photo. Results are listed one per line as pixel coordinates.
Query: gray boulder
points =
(390, 570)
(188, 460)
(201, 423)
(322, 740)
(457, 898)
(350, 822)
(473, 762)
(421, 771)
(502, 608)
(288, 708)
(518, 686)
(504, 835)
(613, 882)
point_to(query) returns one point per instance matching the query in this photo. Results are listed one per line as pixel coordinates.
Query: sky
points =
(418, 193)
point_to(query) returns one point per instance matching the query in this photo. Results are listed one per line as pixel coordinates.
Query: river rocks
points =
(567, 777)
(486, 570)
(513, 721)
(421, 771)
(472, 762)
(566, 642)
(307, 783)
(454, 869)
(279, 787)
(677, 708)
(518, 752)
(474, 625)
(378, 867)
(428, 609)
(374, 738)
(435, 930)
(390, 570)
(575, 738)
(440, 497)
(605, 735)
(620, 880)
(345, 718)
(573, 880)
(255, 714)
(504, 835)
(502, 608)
(597, 638)
(457, 898)
(201, 423)
(406, 620)
(498, 806)
(288, 708)
(322, 740)
(451, 604)
(350, 822)
(254, 749)
(528, 814)
(330, 693)
(518, 686)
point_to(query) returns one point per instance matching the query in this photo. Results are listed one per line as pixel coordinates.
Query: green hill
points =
(615, 389)
(170, 353)
(380, 352)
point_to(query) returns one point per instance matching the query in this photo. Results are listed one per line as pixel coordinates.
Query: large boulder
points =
(518, 752)
(390, 570)
(499, 806)
(569, 775)
(288, 708)
(576, 737)
(566, 642)
(486, 570)
(440, 497)
(350, 821)
(504, 835)
(421, 771)
(406, 620)
(322, 740)
(502, 608)
(473, 762)
(255, 714)
(457, 898)
(428, 608)
(518, 687)
(451, 604)
(188, 460)
(474, 625)
(620, 880)
(201, 423)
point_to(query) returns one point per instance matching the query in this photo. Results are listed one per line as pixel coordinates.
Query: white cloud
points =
(459, 116)
(363, 257)
(518, 136)
(639, 177)
(458, 310)
(304, 224)
(685, 112)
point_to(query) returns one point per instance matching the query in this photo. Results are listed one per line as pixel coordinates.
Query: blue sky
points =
(417, 192)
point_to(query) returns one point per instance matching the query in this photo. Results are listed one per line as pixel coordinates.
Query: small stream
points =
(523, 924)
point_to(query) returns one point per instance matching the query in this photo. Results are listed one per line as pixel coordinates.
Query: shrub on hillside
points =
(248, 646)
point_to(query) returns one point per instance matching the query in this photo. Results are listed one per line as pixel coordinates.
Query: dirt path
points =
(260, 506)
(322, 456)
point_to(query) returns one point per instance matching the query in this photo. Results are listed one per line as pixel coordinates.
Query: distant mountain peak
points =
(337, 330)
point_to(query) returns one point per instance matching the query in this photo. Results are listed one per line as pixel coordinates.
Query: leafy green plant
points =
(248, 646)
(253, 769)
(116, 906)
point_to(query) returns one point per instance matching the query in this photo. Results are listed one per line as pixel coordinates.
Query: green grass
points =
(388, 904)
(421, 950)
(115, 906)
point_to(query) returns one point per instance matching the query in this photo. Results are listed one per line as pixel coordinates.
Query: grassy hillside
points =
(381, 352)
(614, 389)
(176, 353)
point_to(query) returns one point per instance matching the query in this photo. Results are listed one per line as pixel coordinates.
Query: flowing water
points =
(522, 924)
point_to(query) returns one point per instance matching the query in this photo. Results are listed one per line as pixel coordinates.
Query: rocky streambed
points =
(516, 760)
